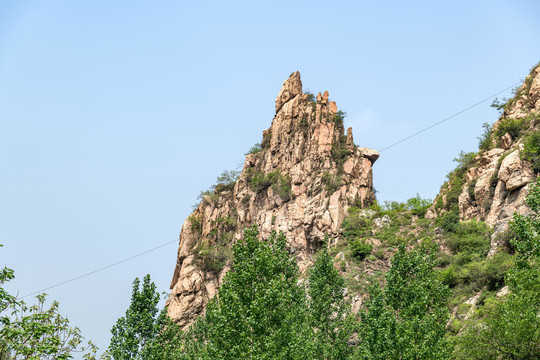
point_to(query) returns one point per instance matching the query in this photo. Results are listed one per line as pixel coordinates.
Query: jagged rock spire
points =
(301, 182)
(291, 87)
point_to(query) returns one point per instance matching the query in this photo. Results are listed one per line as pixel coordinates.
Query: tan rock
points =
(325, 95)
(332, 107)
(350, 140)
(506, 141)
(299, 144)
(368, 153)
(515, 172)
(503, 292)
(291, 87)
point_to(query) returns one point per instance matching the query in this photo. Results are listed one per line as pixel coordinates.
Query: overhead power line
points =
(100, 269)
(448, 118)
(170, 242)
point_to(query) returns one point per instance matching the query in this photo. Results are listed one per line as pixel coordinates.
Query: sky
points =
(115, 115)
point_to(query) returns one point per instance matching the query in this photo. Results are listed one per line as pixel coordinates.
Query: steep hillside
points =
(491, 184)
(301, 179)
(308, 179)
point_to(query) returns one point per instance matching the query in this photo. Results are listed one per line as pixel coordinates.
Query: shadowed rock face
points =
(496, 186)
(302, 182)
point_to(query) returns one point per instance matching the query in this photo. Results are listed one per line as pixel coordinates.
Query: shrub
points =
(360, 249)
(331, 182)
(499, 105)
(514, 127)
(465, 161)
(226, 180)
(339, 117)
(484, 141)
(255, 149)
(470, 189)
(195, 224)
(211, 257)
(340, 153)
(417, 205)
(310, 96)
(265, 143)
(281, 184)
(245, 199)
(355, 226)
(531, 150)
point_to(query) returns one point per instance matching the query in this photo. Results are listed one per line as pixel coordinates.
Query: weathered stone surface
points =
(299, 145)
(506, 141)
(496, 185)
(368, 153)
(514, 172)
(291, 88)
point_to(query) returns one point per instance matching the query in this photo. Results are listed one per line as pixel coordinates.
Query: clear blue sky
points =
(114, 115)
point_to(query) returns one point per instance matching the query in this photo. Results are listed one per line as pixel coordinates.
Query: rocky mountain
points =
(308, 179)
(301, 179)
(491, 185)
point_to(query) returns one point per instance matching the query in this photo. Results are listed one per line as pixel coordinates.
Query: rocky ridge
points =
(492, 184)
(301, 180)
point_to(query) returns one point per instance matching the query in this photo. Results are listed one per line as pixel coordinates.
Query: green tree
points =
(406, 319)
(145, 332)
(36, 332)
(260, 311)
(330, 315)
(510, 328)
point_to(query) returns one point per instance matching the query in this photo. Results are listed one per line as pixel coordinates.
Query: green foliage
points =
(331, 182)
(280, 183)
(36, 332)
(465, 161)
(527, 230)
(510, 329)
(360, 249)
(260, 311)
(499, 105)
(195, 224)
(355, 225)
(226, 181)
(340, 153)
(514, 127)
(484, 140)
(470, 189)
(211, 257)
(310, 96)
(469, 270)
(531, 150)
(407, 319)
(255, 149)
(329, 314)
(417, 205)
(265, 143)
(339, 117)
(144, 332)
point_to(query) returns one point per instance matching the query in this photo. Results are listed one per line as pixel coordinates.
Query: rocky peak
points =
(301, 181)
(291, 88)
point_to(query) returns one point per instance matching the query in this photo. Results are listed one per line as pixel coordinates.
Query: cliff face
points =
(301, 181)
(492, 184)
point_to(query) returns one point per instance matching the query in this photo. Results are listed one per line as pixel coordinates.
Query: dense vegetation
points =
(265, 310)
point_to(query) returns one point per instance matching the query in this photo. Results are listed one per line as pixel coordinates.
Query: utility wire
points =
(448, 118)
(170, 242)
(100, 269)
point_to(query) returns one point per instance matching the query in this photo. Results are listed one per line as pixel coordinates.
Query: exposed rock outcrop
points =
(302, 181)
(495, 184)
